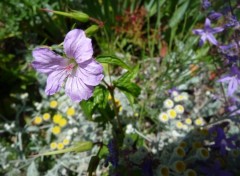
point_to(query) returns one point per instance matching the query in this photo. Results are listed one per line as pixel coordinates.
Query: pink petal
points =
(46, 61)
(77, 90)
(78, 46)
(55, 81)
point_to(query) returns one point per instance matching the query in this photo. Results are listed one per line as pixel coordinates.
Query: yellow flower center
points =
(38, 120)
(172, 113)
(57, 118)
(56, 130)
(70, 111)
(53, 145)
(46, 116)
(53, 104)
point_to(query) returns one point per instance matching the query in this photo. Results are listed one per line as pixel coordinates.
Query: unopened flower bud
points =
(164, 171)
(202, 153)
(179, 166)
(91, 30)
(190, 172)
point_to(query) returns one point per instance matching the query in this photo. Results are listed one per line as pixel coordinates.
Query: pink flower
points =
(78, 68)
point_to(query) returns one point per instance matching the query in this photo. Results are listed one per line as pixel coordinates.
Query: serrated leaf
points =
(128, 76)
(124, 82)
(87, 107)
(32, 170)
(178, 14)
(112, 60)
(100, 96)
(78, 147)
(129, 87)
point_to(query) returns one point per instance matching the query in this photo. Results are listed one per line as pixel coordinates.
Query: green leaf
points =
(100, 96)
(87, 107)
(126, 86)
(78, 147)
(178, 14)
(129, 87)
(93, 164)
(112, 60)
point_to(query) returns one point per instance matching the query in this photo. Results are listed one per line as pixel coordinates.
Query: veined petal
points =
(77, 90)
(87, 77)
(225, 79)
(77, 45)
(232, 86)
(55, 81)
(212, 39)
(92, 66)
(46, 61)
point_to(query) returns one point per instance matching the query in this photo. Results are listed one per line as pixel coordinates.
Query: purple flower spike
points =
(79, 69)
(207, 33)
(233, 79)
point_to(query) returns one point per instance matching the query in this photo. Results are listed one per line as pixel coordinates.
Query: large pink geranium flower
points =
(78, 68)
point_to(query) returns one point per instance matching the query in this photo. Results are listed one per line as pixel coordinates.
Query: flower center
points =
(71, 65)
(69, 68)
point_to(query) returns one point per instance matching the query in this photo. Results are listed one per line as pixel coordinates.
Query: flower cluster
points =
(228, 51)
(174, 116)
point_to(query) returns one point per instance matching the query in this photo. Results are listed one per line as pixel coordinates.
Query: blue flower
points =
(221, 141)
(207, 33)
(214, 170)
(206, 4)
(233, 79)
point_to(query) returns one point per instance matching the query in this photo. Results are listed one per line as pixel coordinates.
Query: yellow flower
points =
(53, 145)
(60, 146)
(70, 111)
(163, 117)
(172, 113)
(53, 104)
(66, 141)
(37, 120)
(188, 121)
(62, 122)
(179, 125)
(179, 109)
(57, 118)
(56, 130)
(46, 116)
(199, 122)
(168, 103)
